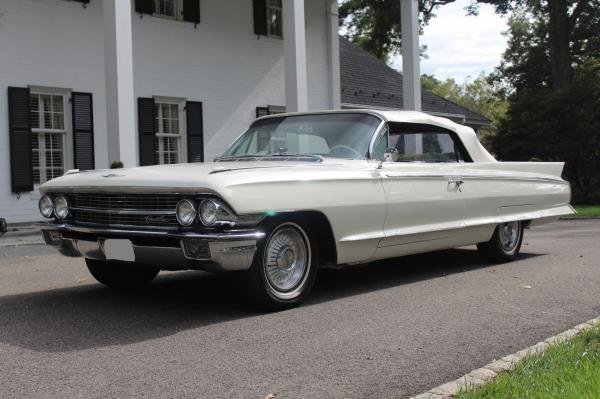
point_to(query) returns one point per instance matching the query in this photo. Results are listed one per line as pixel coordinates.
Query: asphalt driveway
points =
(389, 330)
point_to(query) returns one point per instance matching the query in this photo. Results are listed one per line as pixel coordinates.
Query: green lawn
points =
(587, 210)
(567, 370)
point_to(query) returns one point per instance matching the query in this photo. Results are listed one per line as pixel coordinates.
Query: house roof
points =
(368, 82)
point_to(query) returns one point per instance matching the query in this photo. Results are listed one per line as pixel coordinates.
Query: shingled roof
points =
(368, 82)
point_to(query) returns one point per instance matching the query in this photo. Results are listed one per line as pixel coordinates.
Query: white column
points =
(334, 56)
(294, 52)
(409, 11)
(118, 59)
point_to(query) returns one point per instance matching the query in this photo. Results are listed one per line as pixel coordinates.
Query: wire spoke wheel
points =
(287, 261)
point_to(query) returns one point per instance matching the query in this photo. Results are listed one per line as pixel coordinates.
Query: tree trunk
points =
(560, 54)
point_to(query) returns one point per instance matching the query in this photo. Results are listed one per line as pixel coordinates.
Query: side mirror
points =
(391, 155)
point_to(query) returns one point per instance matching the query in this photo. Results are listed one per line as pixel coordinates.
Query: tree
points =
(481, 95)
(548, 123)
(375, 26)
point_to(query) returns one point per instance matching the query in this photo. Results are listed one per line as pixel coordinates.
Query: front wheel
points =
(285, 266)
(505, 244)
(116, 274)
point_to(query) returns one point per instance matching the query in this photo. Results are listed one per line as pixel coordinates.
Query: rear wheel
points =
(505, 244)
(285, 266)
(120, 274)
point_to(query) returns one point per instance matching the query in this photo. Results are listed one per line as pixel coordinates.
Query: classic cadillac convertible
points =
(297, 192)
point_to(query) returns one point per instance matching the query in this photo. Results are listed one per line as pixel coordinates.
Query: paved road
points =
(390, 330)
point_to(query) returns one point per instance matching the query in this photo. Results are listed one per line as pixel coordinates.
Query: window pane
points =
(58, 121)
(167, 118)
(274, 24)
(46, 120)
(165, 8)
(421, 144)
(46, 102)
(35, 116)
(57, 104)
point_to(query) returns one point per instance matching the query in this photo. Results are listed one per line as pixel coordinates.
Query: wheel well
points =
(320, 227)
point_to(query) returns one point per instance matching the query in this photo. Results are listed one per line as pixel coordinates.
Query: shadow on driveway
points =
(92, 316)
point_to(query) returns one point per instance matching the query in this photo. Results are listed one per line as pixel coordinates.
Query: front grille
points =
(124, 209)
(87, 217)
(111, 201)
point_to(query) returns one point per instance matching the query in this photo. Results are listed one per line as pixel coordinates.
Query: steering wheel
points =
(347, 149)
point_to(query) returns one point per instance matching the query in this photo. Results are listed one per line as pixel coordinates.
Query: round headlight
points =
(46, 206)
(208, 212)
(61, 207)
(186, 212)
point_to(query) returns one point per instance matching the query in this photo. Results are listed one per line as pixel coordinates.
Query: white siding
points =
(58, 43)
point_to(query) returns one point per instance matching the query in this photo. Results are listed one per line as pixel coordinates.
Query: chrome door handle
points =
(457, 183)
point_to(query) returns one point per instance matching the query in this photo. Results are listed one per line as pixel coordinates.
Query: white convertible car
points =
(297, 192)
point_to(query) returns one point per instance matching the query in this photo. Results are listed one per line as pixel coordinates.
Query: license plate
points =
(119, 250)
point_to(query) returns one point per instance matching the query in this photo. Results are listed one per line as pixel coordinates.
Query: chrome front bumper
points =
(163, 249)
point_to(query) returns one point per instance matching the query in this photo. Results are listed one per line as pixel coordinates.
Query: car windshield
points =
(339, 135)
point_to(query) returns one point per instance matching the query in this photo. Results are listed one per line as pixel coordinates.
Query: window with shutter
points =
(178, 10)
(20, 139)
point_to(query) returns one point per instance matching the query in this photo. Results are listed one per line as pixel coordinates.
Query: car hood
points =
(200, 177)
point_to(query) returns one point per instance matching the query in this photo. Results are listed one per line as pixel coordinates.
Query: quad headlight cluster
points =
(59, 207)
(209, 212)
(189, 211)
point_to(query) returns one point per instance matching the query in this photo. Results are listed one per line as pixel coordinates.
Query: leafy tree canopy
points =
(480, 95)
(374, 25)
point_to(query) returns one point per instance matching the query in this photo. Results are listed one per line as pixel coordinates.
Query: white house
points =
(158, 81)
(90, 82)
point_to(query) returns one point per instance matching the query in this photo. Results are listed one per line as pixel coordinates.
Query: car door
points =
(425, 205)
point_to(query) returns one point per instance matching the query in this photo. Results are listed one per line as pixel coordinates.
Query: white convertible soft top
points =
(467, 135)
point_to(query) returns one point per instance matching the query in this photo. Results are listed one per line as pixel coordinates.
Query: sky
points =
(460, 46)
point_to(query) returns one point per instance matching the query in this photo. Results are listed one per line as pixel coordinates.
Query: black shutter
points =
(83, 130)
(260, 16)
(191, 11)
(144, 6)
(147, 131)
(19, 128)
(195, 131)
